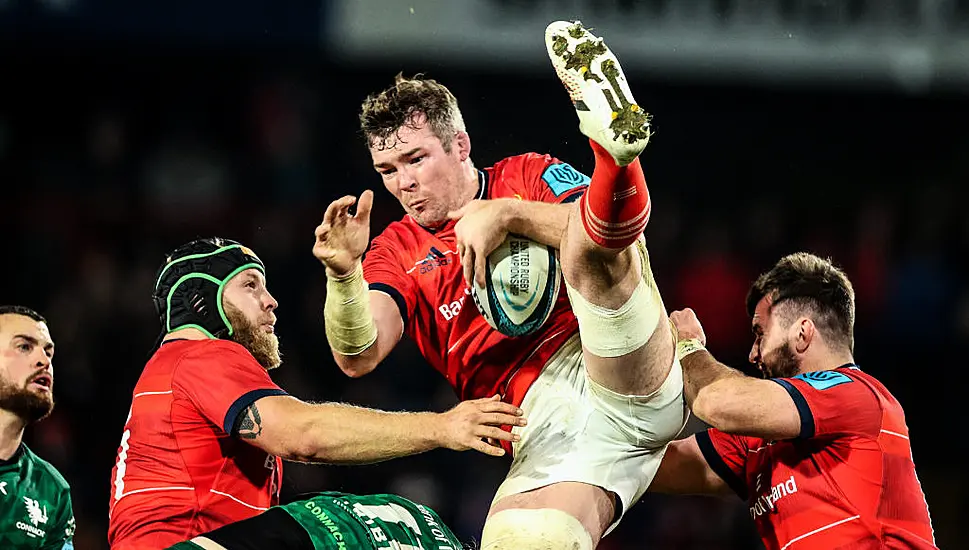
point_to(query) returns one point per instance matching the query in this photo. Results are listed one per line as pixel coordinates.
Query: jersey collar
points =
(15, 458)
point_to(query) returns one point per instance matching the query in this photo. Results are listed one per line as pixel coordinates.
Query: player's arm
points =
(685, 471)
(362, 327)
(60, 536)
(342, 434)
(539, 221)
(737, 404)
(549, 188)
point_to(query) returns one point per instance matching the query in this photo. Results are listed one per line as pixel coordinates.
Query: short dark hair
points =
(811, 284)
(383, 114)
(22, 310)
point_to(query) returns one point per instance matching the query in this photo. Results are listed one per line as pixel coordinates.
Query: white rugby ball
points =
(521, 286)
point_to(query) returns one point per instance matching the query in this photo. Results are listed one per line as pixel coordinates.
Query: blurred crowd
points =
(107, 161)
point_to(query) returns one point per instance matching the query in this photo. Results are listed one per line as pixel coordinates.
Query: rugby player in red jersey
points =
(820, 449)
(207, 429)
(601, 410)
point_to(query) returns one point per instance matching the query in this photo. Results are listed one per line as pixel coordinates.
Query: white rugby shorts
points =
(574, 435)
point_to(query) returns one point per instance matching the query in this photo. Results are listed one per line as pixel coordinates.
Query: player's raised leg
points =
(627, 345)
(627, 342)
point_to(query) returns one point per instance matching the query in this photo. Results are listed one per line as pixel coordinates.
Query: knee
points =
(534, 529)
(585, 263)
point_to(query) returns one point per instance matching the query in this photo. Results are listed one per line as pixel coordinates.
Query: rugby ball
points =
(521, 286)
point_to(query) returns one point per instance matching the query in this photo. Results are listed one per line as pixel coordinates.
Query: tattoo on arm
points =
(249, 423)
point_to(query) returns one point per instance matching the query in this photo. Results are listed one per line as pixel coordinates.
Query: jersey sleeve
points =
(548, 179)
(381, 269)
(726, 454)
(833, 403)
(61, 534)
(222, 381)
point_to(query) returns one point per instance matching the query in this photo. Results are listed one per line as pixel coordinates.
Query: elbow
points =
(308, 444)
(354, 366)
(708, 406)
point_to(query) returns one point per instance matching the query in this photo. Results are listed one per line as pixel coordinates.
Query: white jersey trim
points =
(247, 505)
(818, 530)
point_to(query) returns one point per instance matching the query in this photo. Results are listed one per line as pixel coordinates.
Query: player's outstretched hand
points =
(687, 325)
(481, 228)
(470, 422)
(343, 237)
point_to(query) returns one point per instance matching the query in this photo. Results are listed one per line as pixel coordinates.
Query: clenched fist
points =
(687, 325)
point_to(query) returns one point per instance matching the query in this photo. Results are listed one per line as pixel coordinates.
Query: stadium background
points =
(836, 127)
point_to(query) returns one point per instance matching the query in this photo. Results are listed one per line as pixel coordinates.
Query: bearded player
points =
(35, 500)
(820, 450)
(601, 409)
(208, 428)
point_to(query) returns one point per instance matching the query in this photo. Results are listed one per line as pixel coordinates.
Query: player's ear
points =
(806, 331)
(462, 144)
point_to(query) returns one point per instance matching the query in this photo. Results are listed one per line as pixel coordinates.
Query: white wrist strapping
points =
(349, 323)
(688, 346)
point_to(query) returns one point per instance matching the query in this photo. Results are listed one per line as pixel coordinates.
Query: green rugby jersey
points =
(338, 521)
(35, 504)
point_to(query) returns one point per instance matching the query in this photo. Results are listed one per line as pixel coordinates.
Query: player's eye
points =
(251, 284)
(388, 172)
(25, 347)
(415, 160)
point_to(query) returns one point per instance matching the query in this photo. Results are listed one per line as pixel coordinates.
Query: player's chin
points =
(429, 218)
(38, 406)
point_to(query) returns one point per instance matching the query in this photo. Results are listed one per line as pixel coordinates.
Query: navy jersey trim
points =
(396, 295)
(574, 196)
(230, 423)
(482, 185)
(718, 466)
(803, 410)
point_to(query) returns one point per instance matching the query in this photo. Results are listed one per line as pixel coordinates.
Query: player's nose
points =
(754, 355)
(406, 179)
(43, 360)
(269, 303)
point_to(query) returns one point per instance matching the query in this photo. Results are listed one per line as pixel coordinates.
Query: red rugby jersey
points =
(420, 269)
(848, 481)
(179, 472)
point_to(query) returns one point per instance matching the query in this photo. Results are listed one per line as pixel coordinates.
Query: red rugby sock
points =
(615, 208)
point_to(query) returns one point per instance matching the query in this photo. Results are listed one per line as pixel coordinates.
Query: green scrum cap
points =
(189, 286)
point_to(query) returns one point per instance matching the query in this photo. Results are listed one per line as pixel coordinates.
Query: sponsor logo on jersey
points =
(767, 501)
(434, 259)
(451, 310)
(562, 178)
(36, 515)
(823, 380)
(436, 529)
(331, 526)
